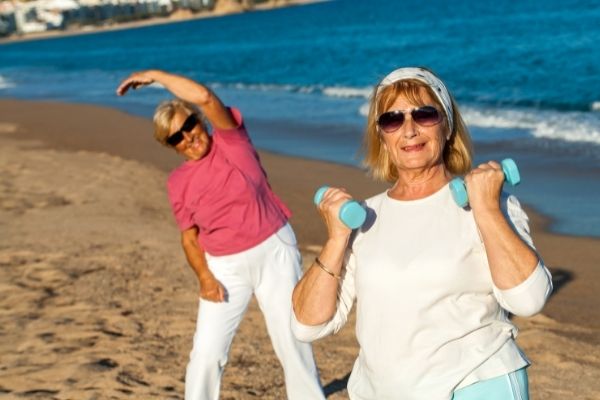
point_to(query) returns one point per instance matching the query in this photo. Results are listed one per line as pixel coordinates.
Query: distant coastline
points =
(228, 8)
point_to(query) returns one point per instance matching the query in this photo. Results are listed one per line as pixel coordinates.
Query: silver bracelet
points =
(324, 268)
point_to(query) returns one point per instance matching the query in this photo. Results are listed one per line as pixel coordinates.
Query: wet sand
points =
(98, 301)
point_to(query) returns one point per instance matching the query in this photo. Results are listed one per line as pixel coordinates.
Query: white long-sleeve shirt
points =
(429, 318)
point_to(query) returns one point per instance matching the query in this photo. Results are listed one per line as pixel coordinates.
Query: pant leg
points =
(511, 386)
(215, 327)
(520, 383)
(280, 270)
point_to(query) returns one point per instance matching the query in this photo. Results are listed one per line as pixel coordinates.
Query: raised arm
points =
(316, 294)
(510, 253)
(186, 89)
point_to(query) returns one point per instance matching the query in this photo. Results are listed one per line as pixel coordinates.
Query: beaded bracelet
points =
(324, 268)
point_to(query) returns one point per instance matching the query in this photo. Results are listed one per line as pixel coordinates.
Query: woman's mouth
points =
(195, 144)
(413, 148)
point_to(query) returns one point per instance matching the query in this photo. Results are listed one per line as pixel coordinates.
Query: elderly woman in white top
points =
(434, 283)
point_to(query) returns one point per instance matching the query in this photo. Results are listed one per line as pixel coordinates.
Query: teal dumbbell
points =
(459, 191)
(352, 214)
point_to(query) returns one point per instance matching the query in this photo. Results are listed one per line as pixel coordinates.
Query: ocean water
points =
(525, 74)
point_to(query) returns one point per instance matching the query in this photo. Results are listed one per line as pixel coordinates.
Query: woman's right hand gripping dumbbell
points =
(329, 207)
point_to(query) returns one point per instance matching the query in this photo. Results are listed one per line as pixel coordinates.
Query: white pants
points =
(270, 270)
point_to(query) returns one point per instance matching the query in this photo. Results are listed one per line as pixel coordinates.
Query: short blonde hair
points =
(457, 152)
(163, 115)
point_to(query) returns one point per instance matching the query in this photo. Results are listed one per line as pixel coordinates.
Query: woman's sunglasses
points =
(175, 138)
(391, 121)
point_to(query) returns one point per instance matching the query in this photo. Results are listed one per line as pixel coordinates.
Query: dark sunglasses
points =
(175, 138)
(391, 121)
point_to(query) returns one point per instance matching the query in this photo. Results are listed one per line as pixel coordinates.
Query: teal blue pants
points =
(513, 386)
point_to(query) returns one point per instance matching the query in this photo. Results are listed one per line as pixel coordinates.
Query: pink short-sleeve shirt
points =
(226, 194)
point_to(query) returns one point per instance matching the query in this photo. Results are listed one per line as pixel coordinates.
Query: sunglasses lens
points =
(426, 116)
(175, 138)
(189, 123)
(390, 121)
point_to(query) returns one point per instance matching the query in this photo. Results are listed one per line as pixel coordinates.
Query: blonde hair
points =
(458, 151)
(163, 115)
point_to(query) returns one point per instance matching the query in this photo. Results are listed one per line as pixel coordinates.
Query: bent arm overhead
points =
(186, 89)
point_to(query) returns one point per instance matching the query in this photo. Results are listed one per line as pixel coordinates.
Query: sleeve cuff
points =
(309, 333)
(528, 297)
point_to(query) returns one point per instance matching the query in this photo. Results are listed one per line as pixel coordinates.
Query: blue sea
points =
(525, 73)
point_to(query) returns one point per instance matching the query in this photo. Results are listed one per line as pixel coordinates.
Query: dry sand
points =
(98, 303)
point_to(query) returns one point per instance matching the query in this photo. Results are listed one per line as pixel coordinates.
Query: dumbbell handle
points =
(459, 191)
(352, 214)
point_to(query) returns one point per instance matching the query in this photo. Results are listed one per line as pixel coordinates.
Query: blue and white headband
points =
(422, 75)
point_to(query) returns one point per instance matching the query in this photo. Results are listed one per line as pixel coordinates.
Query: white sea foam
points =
(364, 110)
(329, 91)
(347, 92)
(156, 85)
(5, 83)
(264, 87)
(572, 126)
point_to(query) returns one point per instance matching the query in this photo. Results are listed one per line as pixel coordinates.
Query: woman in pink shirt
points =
(234, 233)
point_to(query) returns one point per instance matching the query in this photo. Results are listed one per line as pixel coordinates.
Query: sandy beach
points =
(98, 302)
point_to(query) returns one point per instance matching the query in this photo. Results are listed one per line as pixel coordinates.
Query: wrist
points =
(327, 270)
(487, 215)
(336, 243)
(204, 276)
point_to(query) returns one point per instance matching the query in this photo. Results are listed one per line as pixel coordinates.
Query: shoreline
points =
(97, 287)
(176, 17)
(542, 220)
(155, 155)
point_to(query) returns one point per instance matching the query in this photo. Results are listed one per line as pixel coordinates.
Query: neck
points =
(413, 185)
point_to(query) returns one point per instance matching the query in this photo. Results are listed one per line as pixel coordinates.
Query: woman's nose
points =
(409, 130)
(187, 135)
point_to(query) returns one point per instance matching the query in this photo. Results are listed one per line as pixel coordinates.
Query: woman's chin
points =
(196, 154)
(193, 157)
